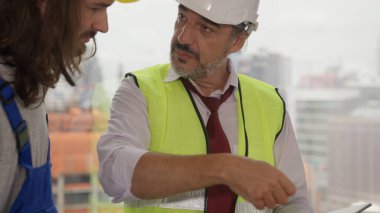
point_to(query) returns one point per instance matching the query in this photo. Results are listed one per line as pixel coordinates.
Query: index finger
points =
(288, 186)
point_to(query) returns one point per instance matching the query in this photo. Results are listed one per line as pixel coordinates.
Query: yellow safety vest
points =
(176, 128)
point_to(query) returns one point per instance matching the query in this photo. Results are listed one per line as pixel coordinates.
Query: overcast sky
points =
(314, 34)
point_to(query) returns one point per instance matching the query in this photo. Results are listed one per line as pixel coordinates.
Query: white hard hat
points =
(232, 12)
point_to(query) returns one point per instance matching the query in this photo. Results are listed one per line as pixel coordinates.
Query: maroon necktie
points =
(220, 198)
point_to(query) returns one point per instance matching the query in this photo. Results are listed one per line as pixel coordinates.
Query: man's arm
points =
(125, 141)
(160, 175)
(288, 160)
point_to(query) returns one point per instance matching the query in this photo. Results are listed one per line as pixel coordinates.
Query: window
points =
(323, 55)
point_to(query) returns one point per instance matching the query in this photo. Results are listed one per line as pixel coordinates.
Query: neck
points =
(217, 80)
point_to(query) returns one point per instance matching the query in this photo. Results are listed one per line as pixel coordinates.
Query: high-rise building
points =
(353, 147)
(269, 67)
(378, 58)
(64, 95)
(76, 121)
(324, 111)
(313, 110)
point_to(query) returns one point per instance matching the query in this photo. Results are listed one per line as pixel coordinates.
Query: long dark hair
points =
(40, 48)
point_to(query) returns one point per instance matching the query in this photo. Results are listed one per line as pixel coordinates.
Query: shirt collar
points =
(233, 79)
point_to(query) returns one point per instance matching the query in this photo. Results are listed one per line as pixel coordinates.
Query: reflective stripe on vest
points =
(189, 201)
(177, 129)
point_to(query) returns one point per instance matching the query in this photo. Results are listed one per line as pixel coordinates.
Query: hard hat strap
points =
(249, 27)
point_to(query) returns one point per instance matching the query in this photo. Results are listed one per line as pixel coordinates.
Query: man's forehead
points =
(182, 7)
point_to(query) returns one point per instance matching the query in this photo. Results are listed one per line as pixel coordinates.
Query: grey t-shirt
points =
(12, 175)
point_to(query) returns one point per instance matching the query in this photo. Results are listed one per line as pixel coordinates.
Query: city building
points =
(77, 117)
(353, 147)
(269, 67)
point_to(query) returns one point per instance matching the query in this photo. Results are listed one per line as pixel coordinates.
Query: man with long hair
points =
(40, 40)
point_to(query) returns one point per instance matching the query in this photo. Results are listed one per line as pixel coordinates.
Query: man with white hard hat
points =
(196, 136)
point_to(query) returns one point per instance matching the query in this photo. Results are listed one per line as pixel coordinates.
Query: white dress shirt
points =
(128, 138)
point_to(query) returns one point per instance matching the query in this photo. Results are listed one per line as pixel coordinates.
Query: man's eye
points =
(180, 18)
(94, 9)
(205, 28)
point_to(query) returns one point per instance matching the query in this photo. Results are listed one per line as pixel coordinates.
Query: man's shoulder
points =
(262, 90)
(151, 70)
(253, 82)
(150, 77)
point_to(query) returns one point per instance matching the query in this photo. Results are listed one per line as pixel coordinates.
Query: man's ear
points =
(41, 4)
(238, 42)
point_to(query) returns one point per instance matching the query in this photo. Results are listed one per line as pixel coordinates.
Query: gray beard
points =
(201, 71)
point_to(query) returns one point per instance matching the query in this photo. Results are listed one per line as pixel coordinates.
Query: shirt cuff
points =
(122, 172)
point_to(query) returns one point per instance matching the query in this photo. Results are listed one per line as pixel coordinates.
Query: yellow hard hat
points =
(126, 1)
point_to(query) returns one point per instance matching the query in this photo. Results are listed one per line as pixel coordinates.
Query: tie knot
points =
(211, 103)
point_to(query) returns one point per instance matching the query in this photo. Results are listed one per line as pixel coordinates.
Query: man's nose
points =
(101, 24)
(186, 35)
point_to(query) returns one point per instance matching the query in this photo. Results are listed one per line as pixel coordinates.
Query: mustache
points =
(186, 49)
(90, 34)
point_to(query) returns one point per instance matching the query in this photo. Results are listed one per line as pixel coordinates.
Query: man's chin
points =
(82, 50)
(180, 67)
(186, 72)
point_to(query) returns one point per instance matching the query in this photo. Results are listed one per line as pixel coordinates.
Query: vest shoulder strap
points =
(10, 107)
(153, 73)
(267, 94)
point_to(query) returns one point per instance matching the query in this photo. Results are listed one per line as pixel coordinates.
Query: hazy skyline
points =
(313, 34)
